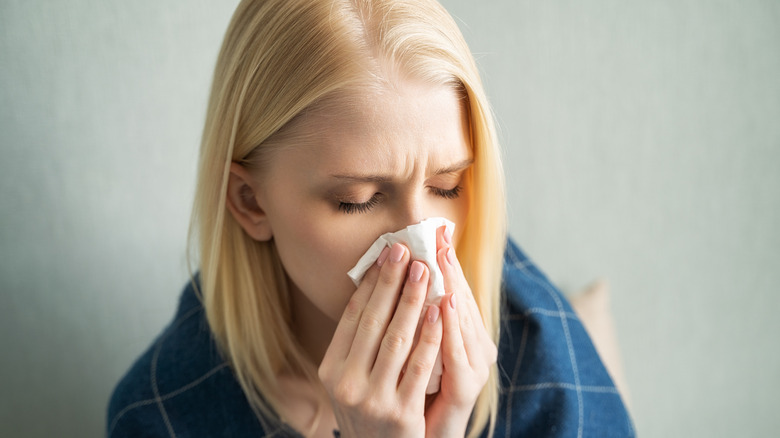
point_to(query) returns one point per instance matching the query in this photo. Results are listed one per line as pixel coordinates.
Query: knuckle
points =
(412, 297)
(459, 355)
(394, 341)
(395, 414)
(347, 393)
(370, 322)
(432, 339)
(420, 367)
(374, 408)
(352, 311)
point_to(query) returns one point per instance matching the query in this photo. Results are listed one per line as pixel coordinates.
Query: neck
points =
(313, 329)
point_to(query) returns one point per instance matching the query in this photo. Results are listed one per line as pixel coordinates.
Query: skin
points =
(392, 158)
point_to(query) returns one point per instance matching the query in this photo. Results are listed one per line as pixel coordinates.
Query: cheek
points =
(462, 218)
(457, 211)
(460, 212)
(317, 253)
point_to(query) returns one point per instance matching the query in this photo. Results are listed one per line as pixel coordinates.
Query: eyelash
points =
(363, 207)
(452, 193)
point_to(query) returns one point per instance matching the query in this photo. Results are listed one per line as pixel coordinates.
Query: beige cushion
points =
(593, 308)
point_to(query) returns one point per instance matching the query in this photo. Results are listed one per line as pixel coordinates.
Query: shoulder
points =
(552, 380)
(180, 383)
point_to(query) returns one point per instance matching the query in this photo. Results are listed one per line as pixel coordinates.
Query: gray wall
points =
(642, 145)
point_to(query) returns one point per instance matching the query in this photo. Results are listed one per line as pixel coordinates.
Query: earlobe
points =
(244, 204)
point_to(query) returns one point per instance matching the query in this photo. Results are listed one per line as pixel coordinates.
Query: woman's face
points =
(391, 159)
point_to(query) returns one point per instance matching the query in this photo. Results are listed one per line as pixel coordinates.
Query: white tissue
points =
(421, 240)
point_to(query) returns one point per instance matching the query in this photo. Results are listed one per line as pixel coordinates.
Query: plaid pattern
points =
(553, 383)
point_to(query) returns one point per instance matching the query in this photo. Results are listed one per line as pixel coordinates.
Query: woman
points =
(330, 123)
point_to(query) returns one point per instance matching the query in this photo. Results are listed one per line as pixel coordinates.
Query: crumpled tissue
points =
(420, 238)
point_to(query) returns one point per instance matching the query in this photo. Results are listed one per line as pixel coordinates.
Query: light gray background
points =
(642, 145)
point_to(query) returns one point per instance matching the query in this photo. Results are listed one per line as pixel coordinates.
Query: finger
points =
(454, 279)
(448, 260)
(423, 358)
(451, 280)
(379, 309)
(480, 348)
(453, 352)
(397, 341)
(344, 334)
(455, 282)
(443, 238)
(476, 315)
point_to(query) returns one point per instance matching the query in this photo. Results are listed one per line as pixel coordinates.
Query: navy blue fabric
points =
(553, 383)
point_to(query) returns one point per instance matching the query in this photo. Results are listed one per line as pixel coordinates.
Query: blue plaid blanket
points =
(553, 383)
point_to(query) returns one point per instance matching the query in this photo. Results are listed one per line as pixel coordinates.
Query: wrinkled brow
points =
(385, 178)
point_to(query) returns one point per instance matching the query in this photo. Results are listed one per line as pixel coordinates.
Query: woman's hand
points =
(468, 353)
(375, 381)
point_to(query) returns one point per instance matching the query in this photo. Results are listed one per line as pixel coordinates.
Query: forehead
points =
(396, 128)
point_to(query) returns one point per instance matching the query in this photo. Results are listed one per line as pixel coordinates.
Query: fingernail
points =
(452, 302)
(451, 256)
(382, 256)
(416, 272)
(397, 253)
(433, 313)
(447, 236)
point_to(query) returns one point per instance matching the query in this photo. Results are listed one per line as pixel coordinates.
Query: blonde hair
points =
(279, 59)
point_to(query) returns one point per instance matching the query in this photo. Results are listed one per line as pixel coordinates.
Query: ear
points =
(244, 203)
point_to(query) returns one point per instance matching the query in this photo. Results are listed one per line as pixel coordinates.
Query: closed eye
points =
(364, 207)
(359, 207)
(452, 193)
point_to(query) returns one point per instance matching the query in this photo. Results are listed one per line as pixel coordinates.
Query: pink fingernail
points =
(451, 256)
(452, 302)
(416, 272)
(447, 236)
(433, 313)
(382, 256)
(397, 253)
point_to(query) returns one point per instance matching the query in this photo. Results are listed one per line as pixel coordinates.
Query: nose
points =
(411, 210)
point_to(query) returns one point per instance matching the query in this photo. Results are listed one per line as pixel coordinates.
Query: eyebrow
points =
(456, 167)
(460, 165)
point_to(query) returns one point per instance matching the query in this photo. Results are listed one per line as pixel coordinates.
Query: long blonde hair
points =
(279, 59)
